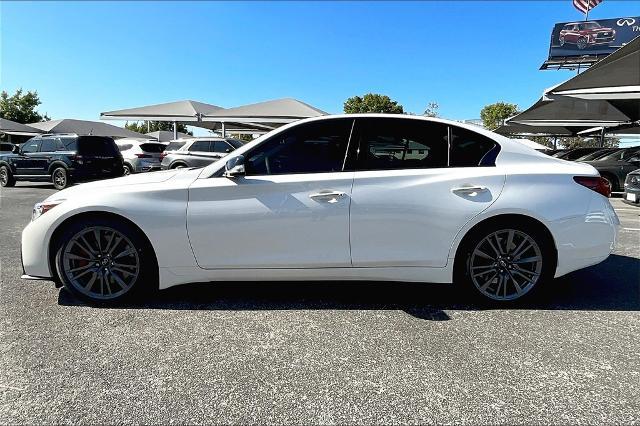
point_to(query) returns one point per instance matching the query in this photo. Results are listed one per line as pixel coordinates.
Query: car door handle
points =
(329, 196)
(469, 190)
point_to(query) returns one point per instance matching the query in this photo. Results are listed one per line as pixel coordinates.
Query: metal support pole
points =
(555, 142)
(175, 131)
(602, 132)
(224, 133)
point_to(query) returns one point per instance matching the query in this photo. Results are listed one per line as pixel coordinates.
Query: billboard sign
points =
(590, 38)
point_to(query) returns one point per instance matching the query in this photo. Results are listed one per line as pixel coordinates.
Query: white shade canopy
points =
(182, 111)
(12, 128)
(83, 127)
(278, 111)
(165, 135)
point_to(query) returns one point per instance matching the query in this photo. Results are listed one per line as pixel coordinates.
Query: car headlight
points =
(41, 208)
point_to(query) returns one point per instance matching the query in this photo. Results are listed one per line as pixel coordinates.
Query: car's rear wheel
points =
(582, 43)
(505, 262)
(179, 166)
(104, 261)
(127, 170)
(6, 177)
(60, 178)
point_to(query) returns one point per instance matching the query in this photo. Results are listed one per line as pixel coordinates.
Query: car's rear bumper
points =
(588, 239)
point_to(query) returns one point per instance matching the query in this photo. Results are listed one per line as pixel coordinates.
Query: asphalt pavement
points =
(320, 353)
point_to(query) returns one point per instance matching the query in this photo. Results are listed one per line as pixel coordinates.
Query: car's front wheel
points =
(582, 43)
(104, 261)
(127, 170)
(562, 41)
(6, 178)
(504, 262)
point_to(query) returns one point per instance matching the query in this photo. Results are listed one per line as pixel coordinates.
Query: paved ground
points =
(320, 353)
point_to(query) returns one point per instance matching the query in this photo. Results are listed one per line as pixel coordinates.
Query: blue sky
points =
(84, 58)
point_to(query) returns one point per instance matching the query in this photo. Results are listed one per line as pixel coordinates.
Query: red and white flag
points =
(585, 6)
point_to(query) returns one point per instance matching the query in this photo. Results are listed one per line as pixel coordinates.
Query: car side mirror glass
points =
(234, 167)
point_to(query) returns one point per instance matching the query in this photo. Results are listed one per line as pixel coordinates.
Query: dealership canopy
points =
(615, 79)
(165, 135)
(12, 128)
(571, 112)
(278, 111)
(82, 127)
(522, 129)
(180, 111)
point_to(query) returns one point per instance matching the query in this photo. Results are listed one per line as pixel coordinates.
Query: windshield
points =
(591, 25)
(152, 147)
(235, 143)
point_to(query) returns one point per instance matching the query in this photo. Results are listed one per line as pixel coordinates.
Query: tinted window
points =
(6, 147)
(220, 146)
(316, 147)
(391, 143)
(235, 143)
(70, 144)
(469, 149)
(96, 145)
(125, 147)
(152, 147)
(174, 146)
(48, 145)
(31, 146)
(200, 146)
(630, 153)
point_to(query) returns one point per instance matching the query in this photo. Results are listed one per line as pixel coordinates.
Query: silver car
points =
(197, 152)
(140, 155)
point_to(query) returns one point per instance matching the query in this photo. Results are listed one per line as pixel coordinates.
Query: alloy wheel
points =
(582, 43)
(101, 262)
(60, 178)
(4, 176)
(505, 265)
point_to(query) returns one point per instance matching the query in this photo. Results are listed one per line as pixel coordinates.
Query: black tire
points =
(179, 166)
(6, 177)
(613, 182)
(562, 41)
(60, 178)
(463, 263)
(144, 282)
(127, 170)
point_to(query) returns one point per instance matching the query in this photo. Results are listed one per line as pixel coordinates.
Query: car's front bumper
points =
(35, 249)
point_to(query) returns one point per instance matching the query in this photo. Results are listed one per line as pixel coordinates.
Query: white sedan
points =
(351, 197)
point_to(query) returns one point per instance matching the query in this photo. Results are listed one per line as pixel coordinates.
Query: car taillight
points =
(162, 155)
(143, 156)
(595, 183)
(77, 158)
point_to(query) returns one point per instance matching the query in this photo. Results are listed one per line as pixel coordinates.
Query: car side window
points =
(31, 146)
(469, 149)
(220, 146)
(200, 146)
(391, 144)
(315, 147)
(48, 145)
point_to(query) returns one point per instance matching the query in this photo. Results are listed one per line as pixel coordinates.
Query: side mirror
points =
(16, 149)
(234, 167)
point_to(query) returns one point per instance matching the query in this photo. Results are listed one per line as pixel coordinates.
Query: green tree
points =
(493, 115)
(20, 107)
(431, 110)
(372, 102)
(153, 126)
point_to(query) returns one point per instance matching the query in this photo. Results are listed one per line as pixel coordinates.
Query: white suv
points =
(140, 155)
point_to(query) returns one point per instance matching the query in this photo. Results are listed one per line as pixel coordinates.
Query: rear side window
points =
(48, 145)
(470, 149)
(389, 144)
(125, 147)
(31, 146)
(200, 146)
(222, 147)
(152, 147)
(96, 145)
(69, 143)
(173, 146)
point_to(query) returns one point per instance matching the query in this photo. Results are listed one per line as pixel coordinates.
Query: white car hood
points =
(137, 179)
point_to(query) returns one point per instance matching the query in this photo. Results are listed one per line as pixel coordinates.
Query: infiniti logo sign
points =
(626, 21)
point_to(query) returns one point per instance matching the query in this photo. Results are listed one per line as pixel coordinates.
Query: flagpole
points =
(586, 18)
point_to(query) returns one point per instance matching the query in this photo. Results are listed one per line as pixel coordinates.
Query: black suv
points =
(615, 166)
(61, 159)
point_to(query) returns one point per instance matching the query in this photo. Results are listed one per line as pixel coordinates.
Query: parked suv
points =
(615, 166)
(140, 155)
(61, 159)
(586, 34)
(199, 152)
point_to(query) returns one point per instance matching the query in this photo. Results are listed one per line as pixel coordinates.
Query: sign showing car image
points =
(598, 37)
